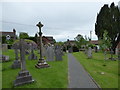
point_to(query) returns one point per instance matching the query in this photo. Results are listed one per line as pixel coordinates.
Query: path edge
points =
(90, 75)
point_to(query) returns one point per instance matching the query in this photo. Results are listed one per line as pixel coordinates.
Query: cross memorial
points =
(41, 63)
(24, 75)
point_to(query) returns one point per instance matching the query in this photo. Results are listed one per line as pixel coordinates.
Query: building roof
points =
(96, 42)
(12, 34)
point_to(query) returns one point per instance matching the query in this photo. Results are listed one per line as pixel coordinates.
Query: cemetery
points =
(41, 61)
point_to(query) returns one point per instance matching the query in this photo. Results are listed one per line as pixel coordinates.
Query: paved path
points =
(78, 77)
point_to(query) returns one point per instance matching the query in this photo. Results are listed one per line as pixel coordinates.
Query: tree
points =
(23, 35)
(109, 19)
(80, 41)
(105, 43)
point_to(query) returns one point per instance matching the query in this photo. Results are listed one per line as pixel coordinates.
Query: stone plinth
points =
(42, 64)
(23, 77)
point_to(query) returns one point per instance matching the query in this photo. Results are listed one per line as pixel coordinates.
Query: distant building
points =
(48, 40)
(9, 35)
(95, 42)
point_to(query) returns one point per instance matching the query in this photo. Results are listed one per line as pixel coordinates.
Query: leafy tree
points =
(105, 43)
(109, 19)
(23, 35)
(80, 41)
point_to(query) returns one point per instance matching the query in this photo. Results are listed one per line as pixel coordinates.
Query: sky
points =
(62, 20)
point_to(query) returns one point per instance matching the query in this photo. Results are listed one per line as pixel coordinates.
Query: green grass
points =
(53, 77)
(95, 66)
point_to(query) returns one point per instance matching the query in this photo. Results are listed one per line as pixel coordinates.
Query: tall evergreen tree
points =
(109, 19)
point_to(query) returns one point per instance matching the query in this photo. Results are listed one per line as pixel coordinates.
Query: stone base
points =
(16, 64)
(42, 64)
(23, 77)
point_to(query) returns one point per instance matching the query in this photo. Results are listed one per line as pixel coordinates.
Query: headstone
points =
(24, 75)
(89, 53)
(105, 55)
(4, 47)
(4, 58)
(50, 54)
(70, 50)
(96, 49)
(16, 63)
(58, 53)
(32, 55)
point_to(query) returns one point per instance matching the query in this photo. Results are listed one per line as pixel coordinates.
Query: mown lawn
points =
(53, 77)
(95, 66)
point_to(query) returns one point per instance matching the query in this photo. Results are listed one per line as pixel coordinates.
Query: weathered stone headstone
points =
(58, 53)
(4, 47)
(4, 58)
(16, 63)
(89, 53)
(50, 54)
(105, 55)
(24, 75)
(70, 50)
(32, 55)
(96, 49)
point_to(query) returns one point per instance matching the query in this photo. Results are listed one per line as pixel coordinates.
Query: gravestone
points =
(50, 54)
(4, 47)
(105, 55)
(4, 58)
(89, 53)
(70, 50)
(96, 49)
(16, 63)
(24, 75)
(32, 55)
(58, 53)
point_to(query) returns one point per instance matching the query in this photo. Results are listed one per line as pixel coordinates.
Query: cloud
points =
(60, 20)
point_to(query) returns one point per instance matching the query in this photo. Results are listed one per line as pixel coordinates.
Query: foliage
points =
(105, 43)
(79, 41)
(109, 19)
(95, 66)
(60, 43)
(4, 41)
(23, 35)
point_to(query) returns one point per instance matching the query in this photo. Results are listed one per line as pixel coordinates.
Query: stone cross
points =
(22, 45)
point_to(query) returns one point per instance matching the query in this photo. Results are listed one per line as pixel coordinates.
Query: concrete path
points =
(78, 77)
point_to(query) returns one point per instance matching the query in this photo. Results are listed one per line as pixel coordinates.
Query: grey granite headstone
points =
(58, 53)
(50, 54)
(70, 50)
(4, 58)
(89, 53)
(24, 75)
(32, 55)
(16, 63)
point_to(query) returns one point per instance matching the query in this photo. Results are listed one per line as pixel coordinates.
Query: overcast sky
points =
(62, 20)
